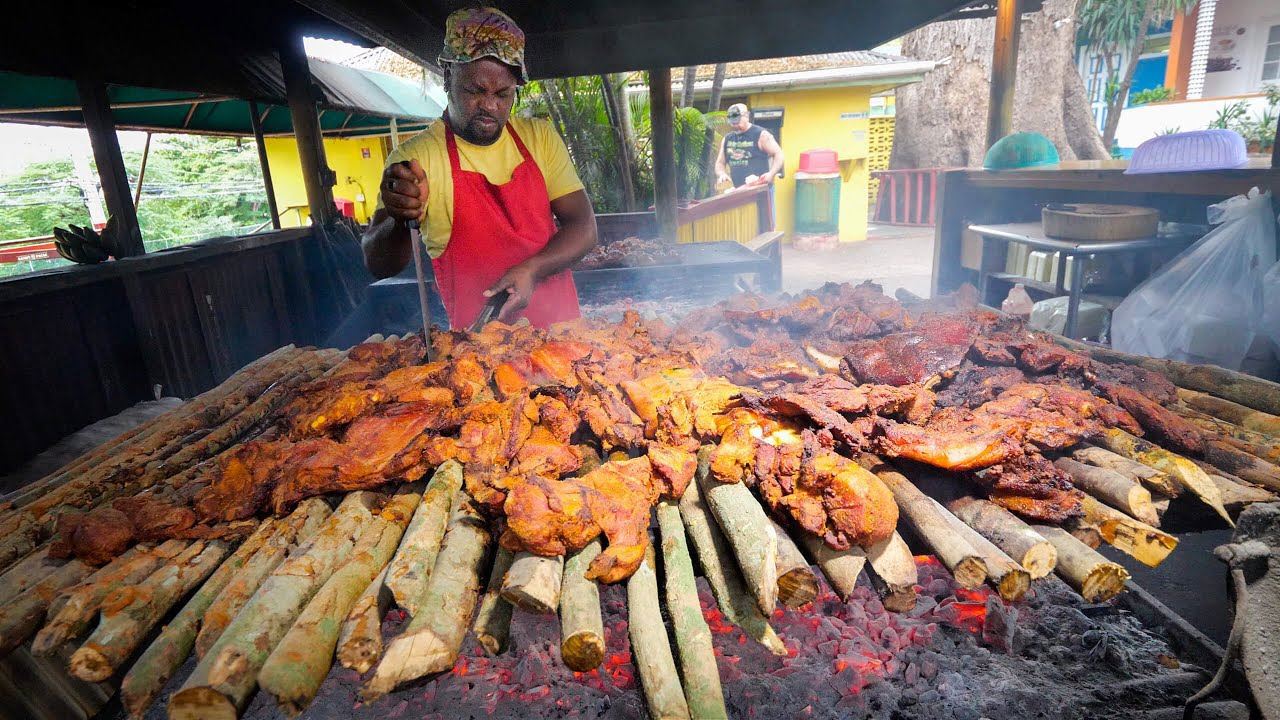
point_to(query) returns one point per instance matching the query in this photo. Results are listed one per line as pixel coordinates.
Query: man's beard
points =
(477, 134)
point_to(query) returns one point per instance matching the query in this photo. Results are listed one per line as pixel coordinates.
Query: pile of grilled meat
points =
(576, 432)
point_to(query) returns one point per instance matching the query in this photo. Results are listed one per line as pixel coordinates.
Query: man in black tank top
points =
(749, 155)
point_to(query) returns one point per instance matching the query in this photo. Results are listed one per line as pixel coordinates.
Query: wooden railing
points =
(25, 249)
(907, 197)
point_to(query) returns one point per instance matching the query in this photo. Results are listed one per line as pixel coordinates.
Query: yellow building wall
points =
(825, 118)
(358, 176)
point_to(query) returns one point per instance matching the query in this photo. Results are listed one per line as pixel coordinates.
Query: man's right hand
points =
(404, 190)
(724, 178)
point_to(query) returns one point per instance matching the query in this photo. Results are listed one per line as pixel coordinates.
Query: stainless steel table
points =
(1083, 252)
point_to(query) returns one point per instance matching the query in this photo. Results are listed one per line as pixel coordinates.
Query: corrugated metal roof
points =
(352, 101)
(802, 63)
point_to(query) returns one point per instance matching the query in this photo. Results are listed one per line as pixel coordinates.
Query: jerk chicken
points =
(786, 391)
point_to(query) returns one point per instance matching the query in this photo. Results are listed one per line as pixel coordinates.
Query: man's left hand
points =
(518, 282)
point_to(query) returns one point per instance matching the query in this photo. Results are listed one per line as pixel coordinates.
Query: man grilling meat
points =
(487, 188)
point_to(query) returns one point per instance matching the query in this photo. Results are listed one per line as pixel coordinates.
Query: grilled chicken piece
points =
(553, 517)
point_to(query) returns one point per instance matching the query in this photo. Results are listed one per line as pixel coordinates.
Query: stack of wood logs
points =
(275, 610)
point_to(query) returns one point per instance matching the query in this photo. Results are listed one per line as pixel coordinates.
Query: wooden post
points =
(142, 172)
(316, 175)
(256, 121)
(661, 118)
(1004, 71)
(106, 153)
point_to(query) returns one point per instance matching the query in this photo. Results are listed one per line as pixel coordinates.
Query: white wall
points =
(1246, 48)
(1146, 121)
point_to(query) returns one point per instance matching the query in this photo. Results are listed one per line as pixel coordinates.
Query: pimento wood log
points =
(1172, 464)
(1249, 441)
(130, 613)
(581, 624)
(20, 617)
(493, 619)
(1007, 532)
(24, 575)
(1147, 476)
(1238, 462)
(299, 663)
(1009, 578)
(432, 640)
(533, 583)
(750, 534)
(1112, 488)
(360, 642)
(716, 560)
(1137, 539)
(166, 654)
(893, 573)
(928, 521)
(841, 567)
(797, 583)
(700, 674)
(1227, 384)
(410, 569)
(650, 648)
(1234, 413)
(1096, 578)
(82, 602)
(226, 676)
(302, 525)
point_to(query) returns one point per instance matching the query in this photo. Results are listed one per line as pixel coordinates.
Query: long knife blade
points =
(415, 240)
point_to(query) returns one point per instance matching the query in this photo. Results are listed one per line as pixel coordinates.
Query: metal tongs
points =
(415, 240)
(489, 311)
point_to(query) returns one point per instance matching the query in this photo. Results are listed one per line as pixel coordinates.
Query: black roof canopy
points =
(195, 46)
(579, 37)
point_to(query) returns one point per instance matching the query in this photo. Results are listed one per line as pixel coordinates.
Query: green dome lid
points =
(1021, 150)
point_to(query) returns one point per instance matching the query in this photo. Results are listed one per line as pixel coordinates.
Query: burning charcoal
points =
(1000, 626)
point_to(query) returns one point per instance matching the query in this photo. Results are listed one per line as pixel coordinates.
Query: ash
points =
(959, 654)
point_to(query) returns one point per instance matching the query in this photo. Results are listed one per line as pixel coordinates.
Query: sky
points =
(21, 145)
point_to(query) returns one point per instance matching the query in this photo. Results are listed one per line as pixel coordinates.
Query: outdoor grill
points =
(934, 646)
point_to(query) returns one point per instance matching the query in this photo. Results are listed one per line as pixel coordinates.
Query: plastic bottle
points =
(1018, 303)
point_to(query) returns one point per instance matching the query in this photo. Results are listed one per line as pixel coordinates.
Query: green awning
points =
(353, 103)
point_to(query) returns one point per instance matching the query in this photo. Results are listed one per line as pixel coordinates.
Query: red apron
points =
(496, 227)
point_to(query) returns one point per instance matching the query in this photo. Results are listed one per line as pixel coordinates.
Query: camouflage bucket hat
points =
(474, 33)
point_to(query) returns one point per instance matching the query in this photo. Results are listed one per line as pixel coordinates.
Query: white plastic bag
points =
(1206, 305)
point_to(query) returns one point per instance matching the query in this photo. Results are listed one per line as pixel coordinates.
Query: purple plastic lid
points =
(1189, 152)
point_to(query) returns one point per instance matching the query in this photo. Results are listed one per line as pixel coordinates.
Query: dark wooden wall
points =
(79, 344)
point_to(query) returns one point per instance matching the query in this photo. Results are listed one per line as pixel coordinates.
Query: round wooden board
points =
(1097, 222)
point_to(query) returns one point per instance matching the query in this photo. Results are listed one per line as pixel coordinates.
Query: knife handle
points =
(411, 224)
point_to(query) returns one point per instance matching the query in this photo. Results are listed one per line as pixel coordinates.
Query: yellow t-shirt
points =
(496, 161)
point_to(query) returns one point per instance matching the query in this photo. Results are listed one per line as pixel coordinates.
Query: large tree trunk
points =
(941, 121)
(1115, 105)
(713, 149)
(613, 90)
(686, 89)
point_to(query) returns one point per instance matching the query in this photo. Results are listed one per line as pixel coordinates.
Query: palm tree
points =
(1112, 26)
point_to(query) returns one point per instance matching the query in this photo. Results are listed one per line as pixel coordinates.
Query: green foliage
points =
(1170, 130)
(1110, 25)
(1258, 131)
(195, 187)
(1157, 94)
(1229, 116)
(576, 107)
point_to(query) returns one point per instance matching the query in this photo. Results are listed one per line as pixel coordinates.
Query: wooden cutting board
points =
(1095, 222)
